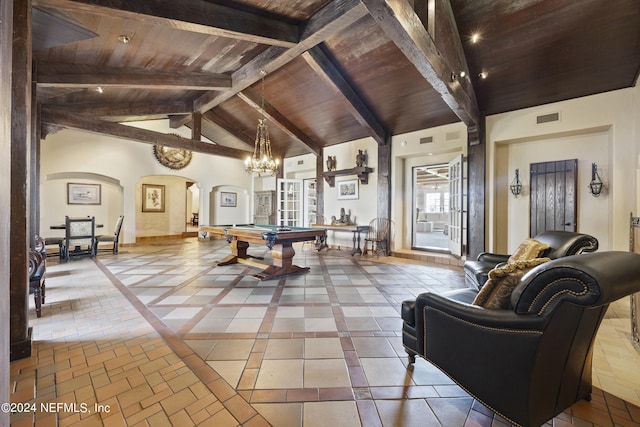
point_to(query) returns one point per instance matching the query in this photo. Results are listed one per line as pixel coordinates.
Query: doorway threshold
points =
(432, 257)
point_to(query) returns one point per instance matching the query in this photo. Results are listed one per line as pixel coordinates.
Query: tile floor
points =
(158, 335)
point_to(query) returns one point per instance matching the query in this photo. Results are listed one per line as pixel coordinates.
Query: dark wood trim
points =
(319, 60)
(401, 24)
(335, 16)
(113, 111)
(320, 183)
(20, 157)
(219, 122)
(190, 15)
(93, 125)
(254, 99)
(384, 181)
(90, 76)
(362, 172)
(476, 189)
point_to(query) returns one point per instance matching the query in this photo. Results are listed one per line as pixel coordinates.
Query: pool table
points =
(279, 239)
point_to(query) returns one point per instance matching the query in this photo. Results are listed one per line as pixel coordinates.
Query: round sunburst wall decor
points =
(173, 158)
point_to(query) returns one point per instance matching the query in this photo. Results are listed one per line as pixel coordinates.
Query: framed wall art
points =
(348, 189)
(83, 194)
(229, 200)
(152, 198)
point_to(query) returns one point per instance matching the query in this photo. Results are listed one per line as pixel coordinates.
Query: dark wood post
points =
(6, 36)
(20, 333)
(320, 183)
(476, 215)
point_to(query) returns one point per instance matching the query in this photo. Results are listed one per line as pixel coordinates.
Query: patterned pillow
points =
(529, 249)
(496, 292)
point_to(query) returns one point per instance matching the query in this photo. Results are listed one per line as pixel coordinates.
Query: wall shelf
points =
(362, 172)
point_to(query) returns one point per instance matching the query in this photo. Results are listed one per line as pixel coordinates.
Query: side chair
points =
(378, 236)
(111, 238)
(79, 237)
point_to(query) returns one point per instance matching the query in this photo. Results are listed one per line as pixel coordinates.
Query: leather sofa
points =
(533, 360)
(562, 243)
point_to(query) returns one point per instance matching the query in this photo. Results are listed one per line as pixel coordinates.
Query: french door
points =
(289, 202)
(456, 205)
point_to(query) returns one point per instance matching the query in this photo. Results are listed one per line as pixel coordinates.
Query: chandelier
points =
(262, 161)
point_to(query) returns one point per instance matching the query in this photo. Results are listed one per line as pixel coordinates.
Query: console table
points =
(355, 229)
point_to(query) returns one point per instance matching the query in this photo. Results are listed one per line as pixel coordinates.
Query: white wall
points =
(364, 208)
(120, 167)
(600, 128)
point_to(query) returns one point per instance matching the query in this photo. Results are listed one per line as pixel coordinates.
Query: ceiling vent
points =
(547, 118)
(300, 162)
(452, 136)
(426, 140)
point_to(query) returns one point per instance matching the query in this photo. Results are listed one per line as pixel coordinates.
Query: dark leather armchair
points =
(532, 361)
(562, 243)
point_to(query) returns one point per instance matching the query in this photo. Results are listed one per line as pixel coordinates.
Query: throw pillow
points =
(529, 249)
(496, 292)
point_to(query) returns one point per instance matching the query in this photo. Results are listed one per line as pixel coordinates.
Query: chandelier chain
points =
(262, 162)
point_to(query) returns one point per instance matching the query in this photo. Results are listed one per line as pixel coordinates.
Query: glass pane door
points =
(290, 202)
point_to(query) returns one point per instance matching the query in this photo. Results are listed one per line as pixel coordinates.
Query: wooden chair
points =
(378, 236)
(111, 238)
(80, 237)
(37, 270)
(55, 241)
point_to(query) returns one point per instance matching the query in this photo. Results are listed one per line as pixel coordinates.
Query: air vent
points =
(547, 118)
(300, 162)
(426, 140)
(452, 136)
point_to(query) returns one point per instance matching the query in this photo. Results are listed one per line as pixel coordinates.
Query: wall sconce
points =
(516, 185)
(596, 185)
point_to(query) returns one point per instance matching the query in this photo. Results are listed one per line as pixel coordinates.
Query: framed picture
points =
(83, 194)
(229, 200)
(348, 189)
(152, 198)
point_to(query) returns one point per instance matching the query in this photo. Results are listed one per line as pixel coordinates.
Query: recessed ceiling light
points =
(99, 89)
(124, 39)
(483, 75)
(475, 37)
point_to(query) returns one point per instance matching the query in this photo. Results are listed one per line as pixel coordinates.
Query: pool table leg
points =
(282, 263)
(238, 250)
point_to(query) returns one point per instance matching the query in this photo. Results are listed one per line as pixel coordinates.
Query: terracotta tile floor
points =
(160, 336)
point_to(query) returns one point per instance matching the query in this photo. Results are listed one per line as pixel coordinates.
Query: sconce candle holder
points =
(516, 185)
(596, 185)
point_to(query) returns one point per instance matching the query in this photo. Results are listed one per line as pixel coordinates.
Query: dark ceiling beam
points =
(91, 124)
(127, 109)
(198, 16)
(334, 17)
(224, 126)
(89, 76)
(401, 24)
(254, 99)
(324, 67)
(178, 120)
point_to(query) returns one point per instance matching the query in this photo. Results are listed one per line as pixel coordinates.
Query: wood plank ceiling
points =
(337, 70)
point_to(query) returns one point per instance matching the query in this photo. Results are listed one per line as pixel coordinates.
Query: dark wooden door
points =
(553, 196)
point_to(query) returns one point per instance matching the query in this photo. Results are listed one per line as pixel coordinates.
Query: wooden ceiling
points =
(337, 70)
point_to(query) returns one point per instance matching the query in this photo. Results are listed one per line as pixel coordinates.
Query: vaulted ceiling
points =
(336, 70)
